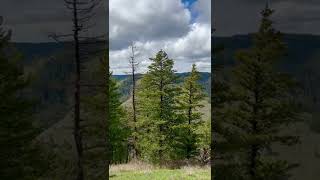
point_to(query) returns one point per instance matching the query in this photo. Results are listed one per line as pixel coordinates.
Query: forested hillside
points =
(125, 83)
(51, 59)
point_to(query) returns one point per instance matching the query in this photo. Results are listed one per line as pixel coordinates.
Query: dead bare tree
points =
(133, 66)
(85, 46)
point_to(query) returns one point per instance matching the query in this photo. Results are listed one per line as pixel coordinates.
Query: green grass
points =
(162, 174)
(150, 173)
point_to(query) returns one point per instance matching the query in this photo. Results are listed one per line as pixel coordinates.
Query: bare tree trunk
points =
(133, 65)
(77, 131)
(82, 12)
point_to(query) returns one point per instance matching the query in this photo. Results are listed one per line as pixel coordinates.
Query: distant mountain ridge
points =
(300, 48)
(32, 50)
(125, 82)
(53, 63)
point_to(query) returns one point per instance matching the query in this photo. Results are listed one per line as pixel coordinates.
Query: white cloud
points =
(185, 47)
(143, 20)
(196, 43)
(204, 7)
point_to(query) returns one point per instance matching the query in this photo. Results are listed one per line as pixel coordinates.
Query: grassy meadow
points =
(142, 171)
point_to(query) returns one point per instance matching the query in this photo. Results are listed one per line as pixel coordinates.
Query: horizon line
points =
(145, 73)
(219, 36)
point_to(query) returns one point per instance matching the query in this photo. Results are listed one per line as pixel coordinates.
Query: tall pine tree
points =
(192, 93)
(95, 128)
(21, 156)
(224, 135)
(260, 108)
(157, 111)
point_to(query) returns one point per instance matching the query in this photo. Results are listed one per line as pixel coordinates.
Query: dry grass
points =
(143, 171)
(190, 170)
(132, 166)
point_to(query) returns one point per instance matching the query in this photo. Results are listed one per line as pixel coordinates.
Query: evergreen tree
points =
(224, 136)
(260, 108)
(226, 139)
(118, 126)
(157, 111)
(189, 103)
(95, 130)
(21, 156)
(203, 141)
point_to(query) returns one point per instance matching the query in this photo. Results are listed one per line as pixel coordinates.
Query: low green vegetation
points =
(146, 172)
(163, 174)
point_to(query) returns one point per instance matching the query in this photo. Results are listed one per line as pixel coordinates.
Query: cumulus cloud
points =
(32, 20)
(145, 20)
(180, 29)
(204, 9)
(171, 30)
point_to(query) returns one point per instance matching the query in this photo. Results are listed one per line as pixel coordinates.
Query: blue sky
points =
(188, 4)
